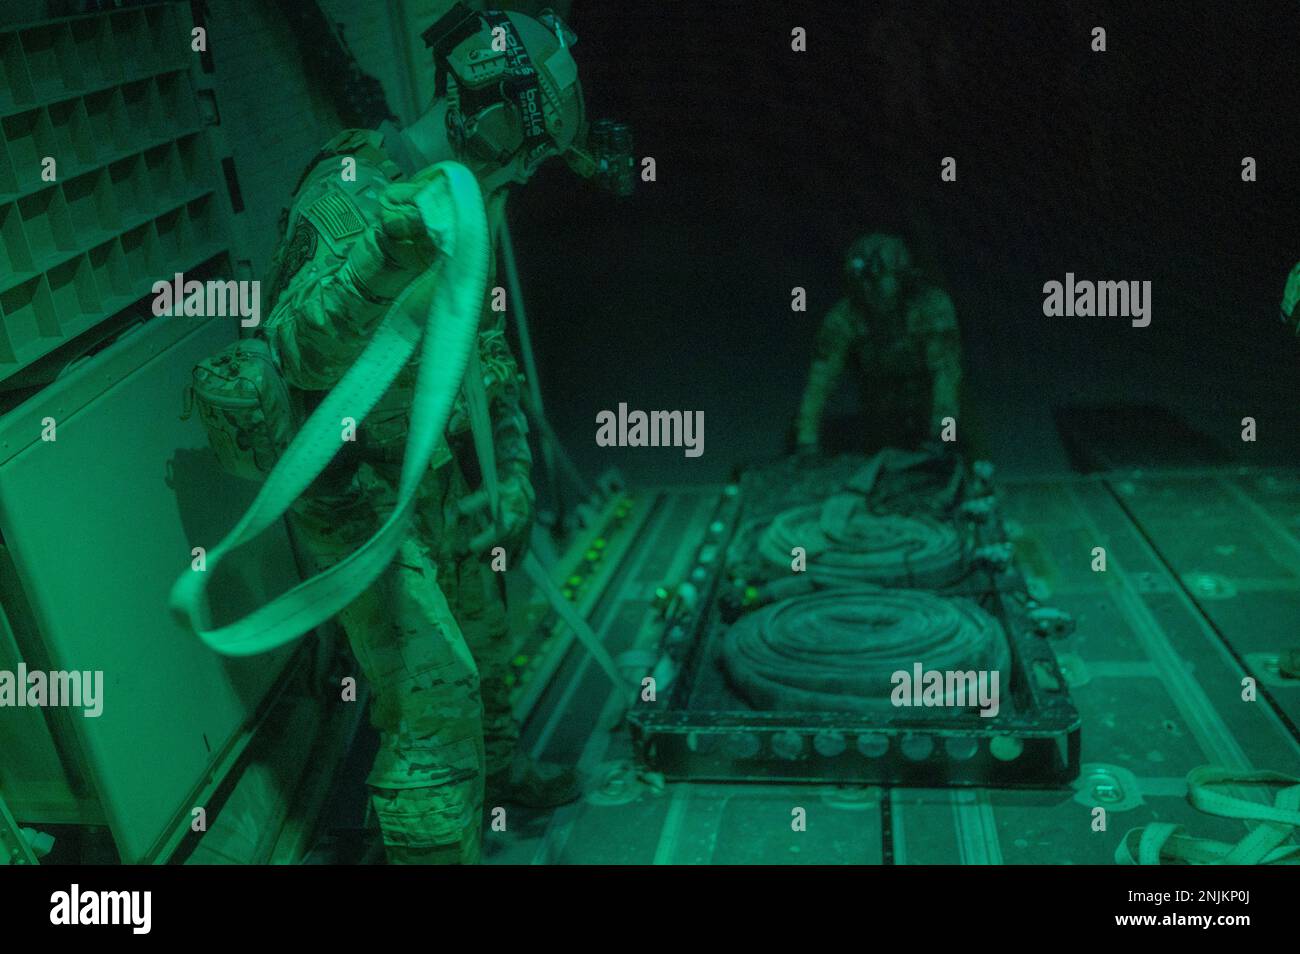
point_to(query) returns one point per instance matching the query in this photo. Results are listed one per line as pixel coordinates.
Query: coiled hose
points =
(837, 650)
(847, 546)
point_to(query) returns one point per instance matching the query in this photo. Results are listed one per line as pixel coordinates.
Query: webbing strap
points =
(450, 295)
(480, 423)
(1162, 842)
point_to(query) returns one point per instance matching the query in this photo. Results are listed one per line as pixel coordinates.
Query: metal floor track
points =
(1201, 589)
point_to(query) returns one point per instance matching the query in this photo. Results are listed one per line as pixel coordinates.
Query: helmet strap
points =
(524, 89)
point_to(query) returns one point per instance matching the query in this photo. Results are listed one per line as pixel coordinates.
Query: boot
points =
(532, 784)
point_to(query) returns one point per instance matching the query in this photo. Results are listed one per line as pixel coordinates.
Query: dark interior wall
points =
(1120, 165)
(1123, 165)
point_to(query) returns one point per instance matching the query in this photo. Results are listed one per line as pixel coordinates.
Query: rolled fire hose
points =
(837, 650)
(847, 546)
(450, 297)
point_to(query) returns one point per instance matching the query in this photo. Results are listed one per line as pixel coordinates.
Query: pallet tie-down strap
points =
(1165, 843)
(450, 296)
(480, 424)
(573, 619)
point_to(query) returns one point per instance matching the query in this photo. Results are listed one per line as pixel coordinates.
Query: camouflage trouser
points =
(474, 595)
(427, 780)
(477, 601)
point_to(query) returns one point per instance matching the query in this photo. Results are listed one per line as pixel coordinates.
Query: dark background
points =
(1123, 165)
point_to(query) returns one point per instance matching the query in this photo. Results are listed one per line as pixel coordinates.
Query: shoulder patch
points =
(335, 215)
(298, 250)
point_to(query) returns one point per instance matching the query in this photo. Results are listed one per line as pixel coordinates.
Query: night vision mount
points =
(495, 106)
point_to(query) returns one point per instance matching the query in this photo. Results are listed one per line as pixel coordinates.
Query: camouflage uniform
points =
(908, 365)
(330, 285)
(474, 591)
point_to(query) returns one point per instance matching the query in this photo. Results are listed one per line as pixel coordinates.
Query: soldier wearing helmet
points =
(430, 634)
(901, 335)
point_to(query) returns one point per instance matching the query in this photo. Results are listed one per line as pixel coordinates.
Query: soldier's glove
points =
(515, 523)
(408, 242)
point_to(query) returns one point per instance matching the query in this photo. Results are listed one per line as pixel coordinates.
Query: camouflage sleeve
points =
(505, 384)
(834, 339)
(937, 320)
(325, 317)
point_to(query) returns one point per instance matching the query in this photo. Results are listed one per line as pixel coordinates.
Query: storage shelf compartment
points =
(140, 249)
(168, 40)
(130, 183)
(96, 52)
(139, 286)
(161, 209)
(47, 224)
(90, 205)
(29, 138)
(108, 96)
(164, 168)
(172, 233)
(38, 330)
(15, 83)
(108, 123)
(73, 146)
(51, 60)
(132, 42)
(205, 225)
(28, 314)
(197, 164)
(144, 109)
(44, 63)
(73, 292)
(101, 127)
(15, 253)
(108, 265)
(84, 241)
(176, 97)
